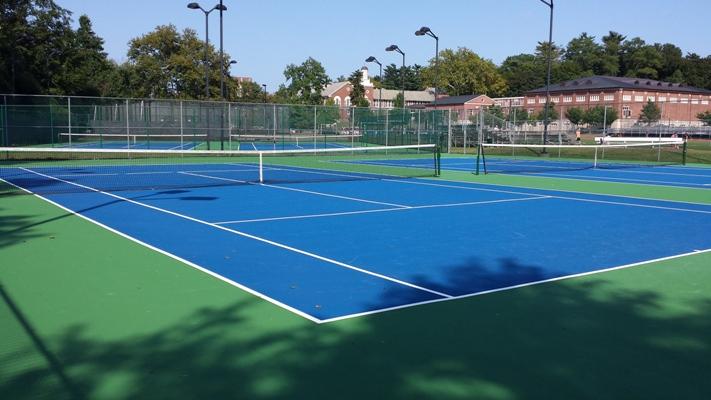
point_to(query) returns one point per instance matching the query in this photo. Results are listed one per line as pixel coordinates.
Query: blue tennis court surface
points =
(335, 249)
(143, 145)
(669, 175)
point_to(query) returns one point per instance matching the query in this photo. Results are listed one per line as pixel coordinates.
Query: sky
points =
(265, 36)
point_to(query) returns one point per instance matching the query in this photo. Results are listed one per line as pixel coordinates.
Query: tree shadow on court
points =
(585, 338)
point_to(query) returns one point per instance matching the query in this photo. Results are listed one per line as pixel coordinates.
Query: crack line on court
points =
(250, 236)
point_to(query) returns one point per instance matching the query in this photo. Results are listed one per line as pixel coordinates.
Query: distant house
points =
(340, 93)
(678, 103)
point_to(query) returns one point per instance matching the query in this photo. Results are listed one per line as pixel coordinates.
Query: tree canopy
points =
(462, 71)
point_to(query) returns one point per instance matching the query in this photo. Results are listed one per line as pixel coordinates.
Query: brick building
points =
(340, 93)
(679, 104)
(465, 106)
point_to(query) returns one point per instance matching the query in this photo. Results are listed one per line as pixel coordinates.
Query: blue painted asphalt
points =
(408, 231)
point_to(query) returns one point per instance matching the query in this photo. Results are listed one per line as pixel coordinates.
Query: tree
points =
(167, 64)
(585, 53)
(650, 113)
(697, 70)
(399, 101)
(671, 61)
(35, 38)
(393, 75)
(358, 91)
(705, 117)
(598, 116)
(612, 49)
(464, 72)
(248, 92)
(522, 72)
(641, 60)
(552, 113)
(87, 69)
(575, 115)
(306, 82)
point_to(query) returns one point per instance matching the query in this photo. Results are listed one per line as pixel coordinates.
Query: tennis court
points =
(328, 241)
(668, 173)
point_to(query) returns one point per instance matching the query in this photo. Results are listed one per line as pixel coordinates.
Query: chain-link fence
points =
(60, 121)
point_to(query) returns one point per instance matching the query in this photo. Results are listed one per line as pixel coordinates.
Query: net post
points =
(478, 156)
(595, 159)
(438, 160)
(261, 169)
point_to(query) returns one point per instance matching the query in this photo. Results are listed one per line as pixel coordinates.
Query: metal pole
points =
(182, 145)
(222, 58)
(207, 44)
(436, 66)
(380, 95)
(128, 128)
(403, 80)
(549, 3)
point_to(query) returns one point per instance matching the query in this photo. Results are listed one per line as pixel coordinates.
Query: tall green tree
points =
(585, 53)
(598, 116)
(393, 77)
(612, 49)
(650, 113)
(167, 63)
(464, 72)
(35, 38)
(87, 69)
(575, 115)
(358, 91)
(640, 59)
(697, 70)
(522, 72)
(306, 82)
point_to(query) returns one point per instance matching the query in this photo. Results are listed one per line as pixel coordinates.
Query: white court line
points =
(249, 236)
(298, 190)
(253, 146)
(472, 203)
(560, 278)
(173, 256)
(563, 197)
(247, 169)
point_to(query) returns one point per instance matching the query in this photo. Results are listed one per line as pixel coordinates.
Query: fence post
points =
(128, 128)
(449, 130)
(69, 119)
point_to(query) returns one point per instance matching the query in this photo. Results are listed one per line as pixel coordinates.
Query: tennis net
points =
(61, 170)
(525, 158)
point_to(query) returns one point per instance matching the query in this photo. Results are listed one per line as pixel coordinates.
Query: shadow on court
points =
(587, 338)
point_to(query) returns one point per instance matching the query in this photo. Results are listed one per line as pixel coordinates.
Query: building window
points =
(638, 98)
(650, 98)
(626, 113)
(662, 99)
(541, 100)
(673, 100)
(684, 101)
(694, 101)
(337, 100)
(531, 101)
(579, 99)
(555, 99)
(609, 97)
(704, 102)
(348, 101)
(567, 99)
(594, 98)
(627, 97)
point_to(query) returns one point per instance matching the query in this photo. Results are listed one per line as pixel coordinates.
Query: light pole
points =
(264, 86)
(380, 94)
(393, 47)
(196, 6)
(427, 31)
(549, 3)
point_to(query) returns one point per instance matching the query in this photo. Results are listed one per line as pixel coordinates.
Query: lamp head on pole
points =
(372, 59)
(194, 6)
(393, 47)
(220, 7)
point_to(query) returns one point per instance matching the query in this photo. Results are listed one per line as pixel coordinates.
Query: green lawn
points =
(89, 314)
